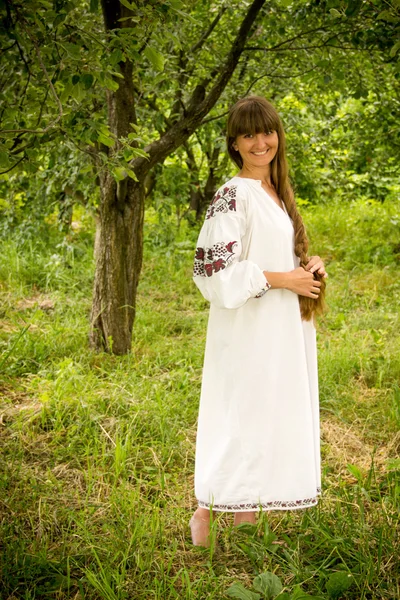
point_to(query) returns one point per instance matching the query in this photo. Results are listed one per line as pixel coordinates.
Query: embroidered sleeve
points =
(222, 275)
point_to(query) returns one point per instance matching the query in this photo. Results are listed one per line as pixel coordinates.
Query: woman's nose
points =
(260, 139)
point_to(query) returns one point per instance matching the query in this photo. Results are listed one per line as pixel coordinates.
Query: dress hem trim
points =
(264, 506)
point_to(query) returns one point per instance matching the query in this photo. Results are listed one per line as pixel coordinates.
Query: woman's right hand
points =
(302, 282)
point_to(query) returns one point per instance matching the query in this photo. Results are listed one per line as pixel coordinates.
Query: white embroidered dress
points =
(258, 430)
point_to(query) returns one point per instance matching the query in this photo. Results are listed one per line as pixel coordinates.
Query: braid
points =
(308, 306)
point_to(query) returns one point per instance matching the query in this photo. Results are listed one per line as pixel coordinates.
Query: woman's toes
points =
(200, 529)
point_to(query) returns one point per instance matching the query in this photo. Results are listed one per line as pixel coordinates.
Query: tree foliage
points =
(100, 103)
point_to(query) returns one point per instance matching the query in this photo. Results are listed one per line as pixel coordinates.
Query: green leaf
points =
(301, 596)
(268, 584)
(59, 19)
(94, 5)
(78, 92)
(394, 49)
(131, 174)
(133, 19)
(353, 7)
(67, 91)
(156, 59)
(4, 160)
(388, 16)
(298, 594)
(107, 141)
(119, 173)
(176, 4)
(127, 4)
(237, 590)
(87, 80)
(128, 153)
(139, 152)
(335, 13)
(116, 57)
(355, 471)
(338, 583)
(73, 50)
(111, 84)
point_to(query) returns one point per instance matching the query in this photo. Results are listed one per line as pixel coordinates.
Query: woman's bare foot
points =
(245, 517)
(200, 527)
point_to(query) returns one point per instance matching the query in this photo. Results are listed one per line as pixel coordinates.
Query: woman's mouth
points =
(261, 153)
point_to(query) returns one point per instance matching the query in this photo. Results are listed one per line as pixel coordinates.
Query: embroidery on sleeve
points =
(211, 260)
(223, 201)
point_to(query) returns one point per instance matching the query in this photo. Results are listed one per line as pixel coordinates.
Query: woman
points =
(258, 431)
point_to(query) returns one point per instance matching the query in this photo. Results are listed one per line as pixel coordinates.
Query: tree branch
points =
(196, 111)
(185, 72)
(8, 47)
(288, 41)
(13, 167)
(208, 32)
(221, 115)
(323, 45)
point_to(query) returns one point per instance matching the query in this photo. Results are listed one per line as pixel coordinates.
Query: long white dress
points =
(258, 431)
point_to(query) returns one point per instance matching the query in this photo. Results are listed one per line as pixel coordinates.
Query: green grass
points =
(97, 451)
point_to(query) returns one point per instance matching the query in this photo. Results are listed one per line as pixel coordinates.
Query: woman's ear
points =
(234, 146)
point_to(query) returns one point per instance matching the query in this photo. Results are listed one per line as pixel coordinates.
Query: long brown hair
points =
(256, 115)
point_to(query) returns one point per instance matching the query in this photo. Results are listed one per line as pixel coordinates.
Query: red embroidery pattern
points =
(278, 504)
(212, 260)
(223, 201)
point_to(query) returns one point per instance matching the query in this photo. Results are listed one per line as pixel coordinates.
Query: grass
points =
(97, 451)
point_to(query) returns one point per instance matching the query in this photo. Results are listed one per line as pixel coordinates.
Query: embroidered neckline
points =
(259, 185)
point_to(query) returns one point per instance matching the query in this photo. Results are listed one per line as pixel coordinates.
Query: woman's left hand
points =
(316, 264)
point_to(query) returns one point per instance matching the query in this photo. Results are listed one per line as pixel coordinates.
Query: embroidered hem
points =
(273, 505)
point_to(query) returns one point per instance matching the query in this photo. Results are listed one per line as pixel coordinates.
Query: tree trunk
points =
(118, 255)
(119, 235)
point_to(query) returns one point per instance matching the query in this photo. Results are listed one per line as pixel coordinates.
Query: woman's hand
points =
(302, 282)
(315, 264)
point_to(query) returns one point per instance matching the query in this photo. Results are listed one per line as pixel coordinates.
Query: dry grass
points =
(344, 444)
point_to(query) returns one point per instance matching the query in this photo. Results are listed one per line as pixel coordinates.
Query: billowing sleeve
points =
(219, 271)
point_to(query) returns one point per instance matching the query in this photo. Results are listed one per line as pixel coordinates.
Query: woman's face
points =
(257, 150)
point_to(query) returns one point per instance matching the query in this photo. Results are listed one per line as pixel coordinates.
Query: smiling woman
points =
(258, 431)
(256, 150)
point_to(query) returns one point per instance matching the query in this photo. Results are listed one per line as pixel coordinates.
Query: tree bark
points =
(118, 256)
(119, 232)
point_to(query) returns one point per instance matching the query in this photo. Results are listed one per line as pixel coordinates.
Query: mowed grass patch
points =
(97, 451)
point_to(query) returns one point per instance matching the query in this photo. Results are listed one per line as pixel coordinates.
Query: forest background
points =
(112, 124)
